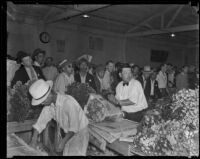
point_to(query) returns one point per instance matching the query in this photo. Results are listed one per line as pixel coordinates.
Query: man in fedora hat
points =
(65, 78)
(27, 71)
(144, 78)
(38, 57)
(67, 113)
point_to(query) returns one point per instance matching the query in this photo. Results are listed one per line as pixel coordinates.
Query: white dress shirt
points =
(144, 82)
(28, 70)
(62, 82)
(152, 87)
(162, 80)
(101, 82)
(134, 92)
(35, 63)
(70, 117)
(83, 78)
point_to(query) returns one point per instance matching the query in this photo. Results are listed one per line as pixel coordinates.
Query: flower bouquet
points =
(98, 109)
(20, 103)
(81, 92)
(178, 133)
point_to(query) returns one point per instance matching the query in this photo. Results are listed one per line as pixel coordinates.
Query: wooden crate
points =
(21, 129)
(14, 127)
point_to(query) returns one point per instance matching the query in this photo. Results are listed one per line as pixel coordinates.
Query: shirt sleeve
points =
(73, 114)
(46, 115)
(117, 92)
(59, 85)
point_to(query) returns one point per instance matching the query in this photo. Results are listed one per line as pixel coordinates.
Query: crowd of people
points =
(126, 85)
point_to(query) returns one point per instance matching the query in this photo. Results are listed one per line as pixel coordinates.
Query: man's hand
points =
(112, 99)
(60, 146)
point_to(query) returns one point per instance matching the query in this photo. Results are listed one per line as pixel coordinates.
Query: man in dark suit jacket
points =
(83, 76)
(27, 71)
(145, 76)
(152, 91)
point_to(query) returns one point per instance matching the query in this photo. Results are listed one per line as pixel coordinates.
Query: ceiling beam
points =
(77, 11)
(167, 30)
(151, 17)
(48, 13)
(110, 19)
(174, 16)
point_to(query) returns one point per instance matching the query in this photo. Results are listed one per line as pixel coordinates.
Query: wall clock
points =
(44, 37)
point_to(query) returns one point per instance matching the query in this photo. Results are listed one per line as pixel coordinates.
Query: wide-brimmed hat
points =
(40, 90)
(38, 51)
(147, 69)
(21, 55)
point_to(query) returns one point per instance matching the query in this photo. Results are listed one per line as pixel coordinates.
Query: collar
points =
(125, 83)
(37, 64)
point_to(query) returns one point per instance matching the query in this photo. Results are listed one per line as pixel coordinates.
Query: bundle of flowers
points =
(81, 92)
(98, 109)
(178, 133)
(20, 103)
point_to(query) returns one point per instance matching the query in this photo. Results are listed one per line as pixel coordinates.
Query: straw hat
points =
(40, 90)
(147, 69)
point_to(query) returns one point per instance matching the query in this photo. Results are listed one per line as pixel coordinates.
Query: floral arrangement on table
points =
(174, 134)
(81, 92)
(19, 101)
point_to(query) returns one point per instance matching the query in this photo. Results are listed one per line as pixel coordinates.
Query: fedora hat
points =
(40, 90)
(147, 69)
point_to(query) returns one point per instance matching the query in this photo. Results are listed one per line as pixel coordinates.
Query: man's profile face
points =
(40, 58)
(48, 100)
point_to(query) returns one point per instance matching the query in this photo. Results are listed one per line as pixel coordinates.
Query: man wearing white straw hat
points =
(68, 114)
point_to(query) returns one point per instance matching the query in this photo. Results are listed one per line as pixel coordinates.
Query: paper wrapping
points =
(112, 113)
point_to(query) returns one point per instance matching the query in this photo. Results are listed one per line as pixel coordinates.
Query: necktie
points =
(125, 83)
(33, 76)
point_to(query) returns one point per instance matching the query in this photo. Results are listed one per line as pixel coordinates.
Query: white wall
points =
(116, 47)
(138, 50)
(26, 37)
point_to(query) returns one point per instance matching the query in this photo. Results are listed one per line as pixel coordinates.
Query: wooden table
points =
(17, 147)
(123, 148)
